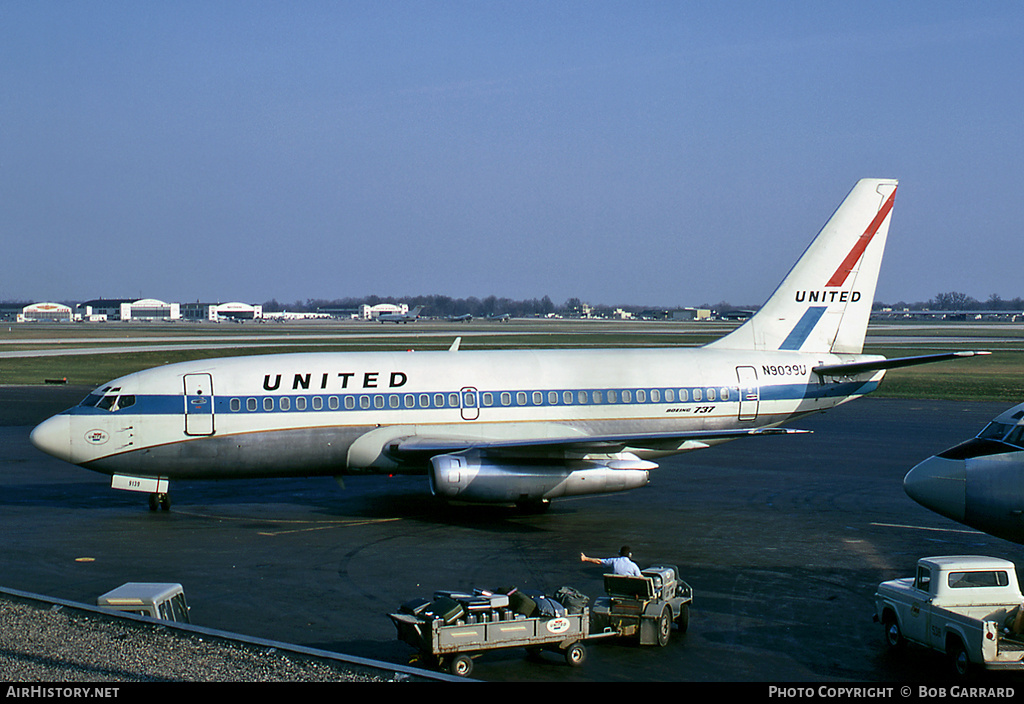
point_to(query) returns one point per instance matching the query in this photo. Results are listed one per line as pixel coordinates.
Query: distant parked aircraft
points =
(409, 317)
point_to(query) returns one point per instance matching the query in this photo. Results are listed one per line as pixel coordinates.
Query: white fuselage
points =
(304, 414)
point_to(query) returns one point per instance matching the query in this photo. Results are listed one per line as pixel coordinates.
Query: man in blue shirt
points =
(621, 565)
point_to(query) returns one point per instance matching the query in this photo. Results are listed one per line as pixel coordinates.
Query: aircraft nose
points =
(940, 485)
(53, 436)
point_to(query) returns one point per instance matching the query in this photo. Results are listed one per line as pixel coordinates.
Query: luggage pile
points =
(491, 605)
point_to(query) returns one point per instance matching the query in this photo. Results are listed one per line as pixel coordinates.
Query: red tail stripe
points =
(839, 278)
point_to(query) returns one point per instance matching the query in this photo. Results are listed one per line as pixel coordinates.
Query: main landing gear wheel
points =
(161, 502)
(529, 507)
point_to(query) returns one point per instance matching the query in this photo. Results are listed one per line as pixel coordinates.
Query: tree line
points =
(441, 306)
(958, 301)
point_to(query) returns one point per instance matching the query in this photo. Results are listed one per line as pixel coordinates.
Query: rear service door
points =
(198, 404)
(750, 392)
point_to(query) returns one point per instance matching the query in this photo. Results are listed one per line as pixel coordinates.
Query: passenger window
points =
(683, 396)
(250, 404)
(318, 403)
(424, 401)
(582, 397)
(236, 405)
(268, 404)
(285, 403)
(724, 394)
(332, 403)
(627, 396)
(655, 395)
(364, 402)
(410, 401)
(552, 397)
(378, 401)
(506, 398)
(488, 399)
(670, 395)
(438, 400)
(641, 396)
(538, 398)
(711, 394)
(300, 403)
(520, 398)
(598, 397)
(567, 396)
(612, 397)
(697, 395)
(453, 400)
(350, 402)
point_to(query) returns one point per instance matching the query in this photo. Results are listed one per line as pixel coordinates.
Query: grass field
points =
(91, 354)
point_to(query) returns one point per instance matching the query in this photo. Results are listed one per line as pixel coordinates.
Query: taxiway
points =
(782, 538)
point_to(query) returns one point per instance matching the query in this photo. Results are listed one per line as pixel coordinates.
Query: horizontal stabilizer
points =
(871, 366)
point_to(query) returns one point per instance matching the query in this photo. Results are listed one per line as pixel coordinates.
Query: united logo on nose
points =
(96, 437)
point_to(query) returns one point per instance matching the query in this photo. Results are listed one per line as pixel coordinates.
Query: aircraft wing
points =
(895, 363)
(559, 439)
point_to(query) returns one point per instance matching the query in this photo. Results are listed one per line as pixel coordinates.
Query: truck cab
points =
(966, 606)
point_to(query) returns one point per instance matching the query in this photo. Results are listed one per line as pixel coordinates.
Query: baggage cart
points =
(449, 632)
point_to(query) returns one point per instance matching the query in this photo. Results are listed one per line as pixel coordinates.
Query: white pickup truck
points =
(966, 606)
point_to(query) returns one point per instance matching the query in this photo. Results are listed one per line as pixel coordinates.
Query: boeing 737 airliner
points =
(522, 426)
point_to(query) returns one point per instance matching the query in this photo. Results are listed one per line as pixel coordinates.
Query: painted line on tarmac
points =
(926, 528)
(316, 525)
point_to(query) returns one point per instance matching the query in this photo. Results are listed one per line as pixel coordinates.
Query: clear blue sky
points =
(652, 153)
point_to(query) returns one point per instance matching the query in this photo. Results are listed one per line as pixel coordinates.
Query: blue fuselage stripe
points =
(163, 405)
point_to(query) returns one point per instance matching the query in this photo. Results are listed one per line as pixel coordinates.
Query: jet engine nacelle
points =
(467, 476)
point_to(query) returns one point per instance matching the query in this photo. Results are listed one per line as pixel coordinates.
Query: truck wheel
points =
(683, 619)
(893, 634)
(461, 666)
(664, 626)
(959, 658)
(575, 655)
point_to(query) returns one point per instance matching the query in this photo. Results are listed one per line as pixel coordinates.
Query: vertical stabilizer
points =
(824, 303)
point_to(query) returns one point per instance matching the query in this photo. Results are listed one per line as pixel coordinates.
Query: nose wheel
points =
(159, 502)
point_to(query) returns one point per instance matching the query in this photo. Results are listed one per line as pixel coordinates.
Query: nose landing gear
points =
(159, 502)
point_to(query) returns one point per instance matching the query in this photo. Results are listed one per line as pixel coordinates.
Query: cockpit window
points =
(994, 431)
(91, 400)
(1015, 436)
(109, 401)
(1010, 434)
